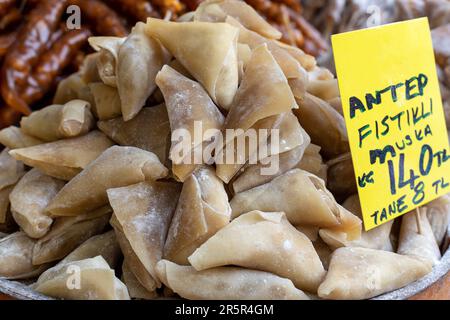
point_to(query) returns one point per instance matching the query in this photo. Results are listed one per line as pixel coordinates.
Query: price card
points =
(394, 116)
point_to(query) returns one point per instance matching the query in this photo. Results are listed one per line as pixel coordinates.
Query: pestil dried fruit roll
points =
(31, 43)
(314, 43)
(286, 16)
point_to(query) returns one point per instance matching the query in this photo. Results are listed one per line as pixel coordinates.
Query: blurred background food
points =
(37, 49)
(41, 52)
(336, 16)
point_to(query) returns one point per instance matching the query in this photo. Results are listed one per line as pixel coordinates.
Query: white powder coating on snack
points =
(18, 242)
(193, 106)
(183, 108)
(287, 245)
(150, 225)
(203, 176)
(175, 224)
(36, 191)
(158, 205)
(204, 182)
(187, 101)
(11, 249)
(15, 255)
(373, 281)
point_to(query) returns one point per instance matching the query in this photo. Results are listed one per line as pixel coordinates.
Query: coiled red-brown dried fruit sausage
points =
(53, 62)
(8, 116)
(6, 41)
(315, 42)
(103, 20)
(173, 6)
(5, 6)
(8, 20)
(25, 52)
(137, 10)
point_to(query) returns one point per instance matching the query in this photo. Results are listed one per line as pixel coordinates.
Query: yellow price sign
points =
(394, 116)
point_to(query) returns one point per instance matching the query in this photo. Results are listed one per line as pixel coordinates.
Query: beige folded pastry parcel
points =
(211, 59)
(361, 273)
(59, 121)
(96, 281)
(115, 167)
(263, 241)
(202, 210)
(64, 159)
(142, 215)
(226, 283)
